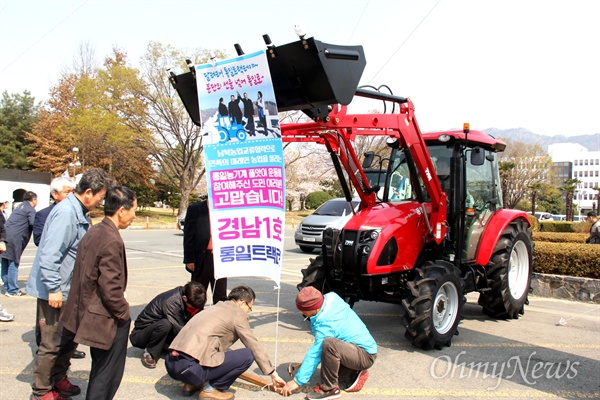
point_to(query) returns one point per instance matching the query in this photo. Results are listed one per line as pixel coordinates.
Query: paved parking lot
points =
(551, 352)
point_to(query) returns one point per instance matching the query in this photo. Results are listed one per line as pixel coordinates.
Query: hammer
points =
(293, 367)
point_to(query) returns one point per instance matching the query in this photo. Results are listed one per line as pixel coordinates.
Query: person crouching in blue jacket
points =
(343, 346)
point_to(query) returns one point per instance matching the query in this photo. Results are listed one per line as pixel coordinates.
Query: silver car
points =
(333, 213)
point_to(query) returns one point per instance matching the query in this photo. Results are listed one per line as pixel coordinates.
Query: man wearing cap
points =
(343, 346)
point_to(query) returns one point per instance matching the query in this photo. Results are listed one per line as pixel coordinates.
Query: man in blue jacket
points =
(343, 345)
(50, 282)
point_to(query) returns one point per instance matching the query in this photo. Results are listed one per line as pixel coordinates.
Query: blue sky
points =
(505, 64)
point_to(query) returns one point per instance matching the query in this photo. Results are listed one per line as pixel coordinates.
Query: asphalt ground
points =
(552, 352)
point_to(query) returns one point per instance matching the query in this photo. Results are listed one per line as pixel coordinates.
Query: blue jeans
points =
(186, 369)
(10, 273)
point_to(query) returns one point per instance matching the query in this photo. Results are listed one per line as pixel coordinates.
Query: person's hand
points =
(55, 299)
(289, 388)
(2, 247)
(277, 381)
(190, 266)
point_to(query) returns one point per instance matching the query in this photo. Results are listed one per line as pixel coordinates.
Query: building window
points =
(586, 162)
(597, 161)
(595, 173)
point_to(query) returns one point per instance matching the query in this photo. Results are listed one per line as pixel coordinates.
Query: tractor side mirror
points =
(369, 156)
(477, 156)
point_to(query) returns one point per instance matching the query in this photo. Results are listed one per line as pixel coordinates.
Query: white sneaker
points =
(5, 316)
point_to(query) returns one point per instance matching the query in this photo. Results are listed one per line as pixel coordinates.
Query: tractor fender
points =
(497, 224)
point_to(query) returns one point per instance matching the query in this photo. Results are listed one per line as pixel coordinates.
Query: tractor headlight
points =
(374, 235)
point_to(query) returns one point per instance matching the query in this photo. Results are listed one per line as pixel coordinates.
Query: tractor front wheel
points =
(432, 309)
(510, 276)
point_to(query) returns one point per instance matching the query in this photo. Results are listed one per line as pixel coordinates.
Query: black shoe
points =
(78, 354)
(148, 361)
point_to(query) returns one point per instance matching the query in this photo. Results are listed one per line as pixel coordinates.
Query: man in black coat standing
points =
(162, 319)
(248, 113)
(18, 232)
(197, 250)
(235, 113)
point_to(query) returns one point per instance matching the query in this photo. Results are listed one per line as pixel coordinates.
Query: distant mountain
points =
(591, 142)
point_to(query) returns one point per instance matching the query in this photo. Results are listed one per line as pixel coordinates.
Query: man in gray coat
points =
(200, 356)
(18, 229)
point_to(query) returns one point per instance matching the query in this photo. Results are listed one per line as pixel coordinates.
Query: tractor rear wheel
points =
(510, 275)
(433, 308)
(314, 275)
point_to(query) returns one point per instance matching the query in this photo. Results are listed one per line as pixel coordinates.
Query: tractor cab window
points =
(483, 199)
(441, 156)
(399, 184)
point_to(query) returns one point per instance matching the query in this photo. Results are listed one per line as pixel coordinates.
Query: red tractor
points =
(431, 226)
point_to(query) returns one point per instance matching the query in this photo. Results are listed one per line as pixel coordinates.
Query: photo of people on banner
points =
(244, 166)
(237, 102)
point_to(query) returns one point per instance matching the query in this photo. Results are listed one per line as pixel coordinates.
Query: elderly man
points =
(60, 188)
(200, 356)
(18, 229)
(343, 345)
(97, 313)
(50, 281)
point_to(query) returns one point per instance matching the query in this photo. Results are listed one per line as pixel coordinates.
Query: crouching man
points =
(199, 355)
(343, 346)
(163, 318)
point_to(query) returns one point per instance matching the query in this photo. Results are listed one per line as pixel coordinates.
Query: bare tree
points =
(178, 148)
(523, 166)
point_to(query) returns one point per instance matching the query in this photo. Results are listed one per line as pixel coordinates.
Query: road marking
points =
(368, 391)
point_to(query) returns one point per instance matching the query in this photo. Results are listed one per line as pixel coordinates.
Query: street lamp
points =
(75, 163)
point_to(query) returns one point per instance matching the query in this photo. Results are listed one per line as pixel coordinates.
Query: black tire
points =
(314, 275)
(510, 274)
(433, 308)
(306, 249)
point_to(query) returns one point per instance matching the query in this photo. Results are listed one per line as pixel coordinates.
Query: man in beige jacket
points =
(199, 355)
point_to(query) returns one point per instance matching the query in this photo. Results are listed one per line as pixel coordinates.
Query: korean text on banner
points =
(244, 166)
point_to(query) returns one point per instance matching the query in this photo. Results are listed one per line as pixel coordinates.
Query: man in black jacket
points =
(235, 113)
(162, 319)
(198, 251)
(248, 113)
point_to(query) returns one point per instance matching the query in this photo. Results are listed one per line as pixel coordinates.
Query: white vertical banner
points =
(244, 166)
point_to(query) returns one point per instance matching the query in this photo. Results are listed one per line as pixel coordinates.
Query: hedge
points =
(573, 259)
(563, 226)
(559, 237)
